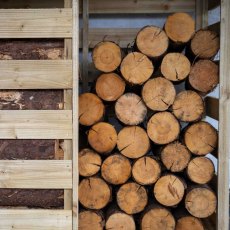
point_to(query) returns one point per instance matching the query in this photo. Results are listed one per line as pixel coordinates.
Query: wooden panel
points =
(212, 107)
(38, 174)
(224, 114)
(35, 23)
(35, 219)
(36, 124)
(201, 14)
(35, 74)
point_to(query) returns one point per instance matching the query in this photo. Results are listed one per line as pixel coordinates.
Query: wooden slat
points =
(36, 174)
(35, 124)
(201, 14)
(224, 114)
(35, 74)
(35, 219)
(215, 27)
(212, 107)
(213, 4)
(35, 23)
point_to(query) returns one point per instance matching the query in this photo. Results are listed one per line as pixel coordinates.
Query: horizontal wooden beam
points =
(212, 107)
(36, 219)
(35, 23)
(36, 174)
(36, 74)
(35, 124)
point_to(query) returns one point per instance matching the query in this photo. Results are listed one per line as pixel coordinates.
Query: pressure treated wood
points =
(36, 174)
(35, 74)
(35, 23)
(36, 124)
(186, 222)
(36, 219)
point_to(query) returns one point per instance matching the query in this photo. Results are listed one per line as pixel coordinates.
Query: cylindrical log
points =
(116, 169)
(106, 56)
(91, 109)
(188, 222)
(132, 198)
(91, 220)
(94, 193)
(102, 137)
(201, 138)
(120, 221)
(158, 94)
(175, 67)
(180, 27)
(133, 142)
(205, 44)
(136, 68)
(204, 76)
(89, 162)
(110, 86)
(158, 218)
(152, 41)
(146, 170)
(201, 202)
(188, 106)
(175, 156)
(130, 109)
(169, 190)
(200, 170)
(163, 128)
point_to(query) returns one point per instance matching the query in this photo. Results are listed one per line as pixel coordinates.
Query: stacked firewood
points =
(145, 165)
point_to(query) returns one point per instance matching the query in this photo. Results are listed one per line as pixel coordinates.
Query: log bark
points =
(158, 94)
(188, 106)
(201, 138)
(136, 68)
(110, 86)
(175, 156)
(106, 56)
(133, 142)
(152, 41)
(116, 169)
(94, 193)
(188, 222)
(130, 109)
(163, 128)
(132, 198)
(146, 170)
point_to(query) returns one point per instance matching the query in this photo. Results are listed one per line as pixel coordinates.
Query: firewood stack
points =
(145, 161)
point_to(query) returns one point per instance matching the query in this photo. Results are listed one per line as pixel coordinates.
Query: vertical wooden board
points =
(201, 14)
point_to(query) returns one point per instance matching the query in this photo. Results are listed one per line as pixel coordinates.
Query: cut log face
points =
(201, 202)
(175, 157)
(116, 169)
(201, 138)
(158, 94)
(89, 162)
(169, 190)
(102, 137)
(110, 86)
(136, 68)
(152, 41)
(91, 109)
(133, 142)
(106, 56)
(120, 221)
(180, 27)
(205, 44)
(130, 109)
(94, 193)
(132, 198)
(146, 171)
(188, 106)
(163, 128)
(175, 67)
(188, 222)
(204, 76)
(158, 218)
(200, 170)
(90, 220)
